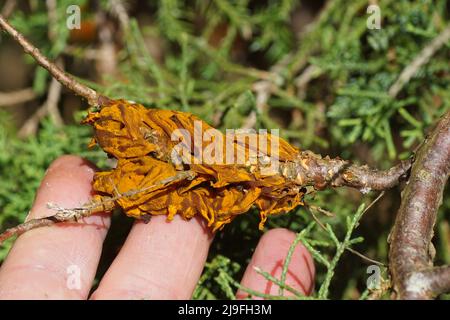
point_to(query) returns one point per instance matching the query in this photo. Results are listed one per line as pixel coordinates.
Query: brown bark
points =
(410, 258)
(312, 169)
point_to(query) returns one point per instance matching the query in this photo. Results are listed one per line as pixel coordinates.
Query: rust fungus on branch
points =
(162, 171)
(144, 142)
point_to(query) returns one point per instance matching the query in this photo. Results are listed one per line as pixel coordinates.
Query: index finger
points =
(159, 260)
(59, 261)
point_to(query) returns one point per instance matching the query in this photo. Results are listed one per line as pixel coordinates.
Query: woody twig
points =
(75, 214)
(311, 169)
(410, 255)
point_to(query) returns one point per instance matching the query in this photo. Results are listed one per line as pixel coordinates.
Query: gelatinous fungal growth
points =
(207, 173)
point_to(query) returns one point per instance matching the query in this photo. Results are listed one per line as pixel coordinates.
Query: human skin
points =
(159, 260)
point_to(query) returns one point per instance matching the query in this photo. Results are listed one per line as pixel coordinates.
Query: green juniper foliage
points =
(215, 54)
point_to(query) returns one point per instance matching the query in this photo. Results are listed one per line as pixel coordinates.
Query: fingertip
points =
(67, 182)
(72, 165)
(40, 261)
(269, 256)
(159, 260)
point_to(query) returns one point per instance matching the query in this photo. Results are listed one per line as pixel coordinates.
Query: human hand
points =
(159, 260)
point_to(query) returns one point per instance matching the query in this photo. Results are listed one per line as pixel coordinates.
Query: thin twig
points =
(359, 254)
(321, 210)
(106, 62)
(317, 220)
(8, 8)
(301, 82)
(119, 9)
(364, 257)
(74, 214)
(309, 168)
(50, 106)
(263, 90)
(16, 97)
(24, 227)
(52, 18)
(78, 88)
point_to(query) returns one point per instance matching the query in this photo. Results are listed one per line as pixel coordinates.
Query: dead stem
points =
(24, 227)
(421, 59)
(311, 169)
(61, 215)
(74, 214)
(119, 9)
(16, 97)
(366, 258)
(50, 106)
(8, 8)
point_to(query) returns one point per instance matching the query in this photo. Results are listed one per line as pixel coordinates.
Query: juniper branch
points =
(106, 204)
(60, 216)
(311, 169)
(16, 97)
